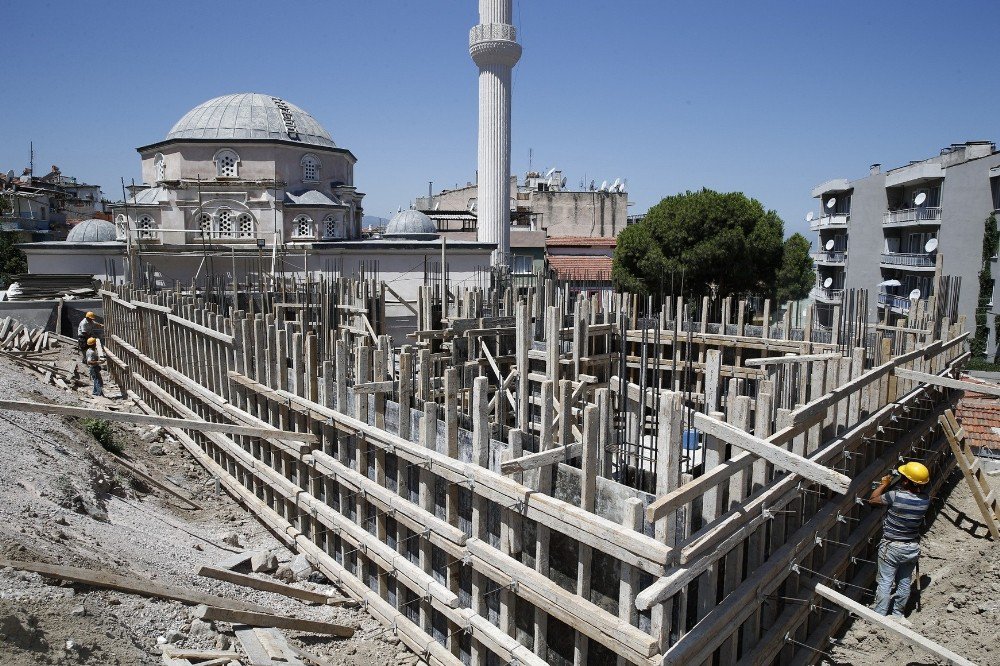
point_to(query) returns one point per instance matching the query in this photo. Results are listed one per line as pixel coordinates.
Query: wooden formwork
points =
(477, 496)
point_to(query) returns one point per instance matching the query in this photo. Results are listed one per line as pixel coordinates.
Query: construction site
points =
(535, 475)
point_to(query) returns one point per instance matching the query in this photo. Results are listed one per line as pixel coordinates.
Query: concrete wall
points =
(580, 213)
(865, 239)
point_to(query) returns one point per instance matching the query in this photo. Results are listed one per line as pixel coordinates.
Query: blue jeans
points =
(95, 374)
(896, 561)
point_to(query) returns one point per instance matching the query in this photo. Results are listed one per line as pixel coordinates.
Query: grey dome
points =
(410, 224)
(92, 231)
(250, 116)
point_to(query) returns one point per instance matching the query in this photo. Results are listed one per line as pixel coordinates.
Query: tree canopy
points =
(12, 260)
(796, 276)
(725, 239)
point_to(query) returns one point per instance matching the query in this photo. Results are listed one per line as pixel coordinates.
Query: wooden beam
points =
(133, 584)
(400, 299)
(948, 382)
(214, 613)
(893, 627)
(541, 459)
(270, 586)
(793, 358)
(167, 422)
(374, 387)
(781, 457)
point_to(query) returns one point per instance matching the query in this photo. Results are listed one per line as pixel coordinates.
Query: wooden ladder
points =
(971, 466)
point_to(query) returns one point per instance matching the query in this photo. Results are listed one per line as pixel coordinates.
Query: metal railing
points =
(912, 215)
(824, 294)
(834, 220)
(898, 302)
(918, 260)
(831, 257)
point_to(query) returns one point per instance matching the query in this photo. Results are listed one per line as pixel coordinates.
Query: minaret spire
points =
(494, 48)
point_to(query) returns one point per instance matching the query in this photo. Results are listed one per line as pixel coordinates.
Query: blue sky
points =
(768, 98)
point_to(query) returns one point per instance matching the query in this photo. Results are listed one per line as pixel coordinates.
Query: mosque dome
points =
(250, 116)
(92, 231)
(410, 224)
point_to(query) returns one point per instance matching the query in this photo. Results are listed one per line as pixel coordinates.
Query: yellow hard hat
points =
(90, 315)
(915, 472)
(91, 342)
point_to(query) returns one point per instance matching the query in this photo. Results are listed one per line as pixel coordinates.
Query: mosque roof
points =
(410, 223)
(250, 116)
(92, 231)
(310, 198)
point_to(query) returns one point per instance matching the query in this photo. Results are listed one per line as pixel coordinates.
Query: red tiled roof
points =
(979, 414)
(568, 267)
(581, 241)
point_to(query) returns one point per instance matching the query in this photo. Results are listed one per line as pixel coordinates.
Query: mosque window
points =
(245, 226)
(302, 227)
(121, 227)
(144, 227)
(333, 227)
(224, 223)
(310, 168)
(226, 164)
(159, 166)
(205, 225)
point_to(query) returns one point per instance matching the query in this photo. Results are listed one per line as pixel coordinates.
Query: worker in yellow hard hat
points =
(899, 549)
(89, 328)
(93, 361)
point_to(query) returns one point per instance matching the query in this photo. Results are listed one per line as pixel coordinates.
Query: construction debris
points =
(216, 613)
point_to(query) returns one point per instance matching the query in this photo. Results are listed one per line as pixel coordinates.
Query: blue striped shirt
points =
(906, 513)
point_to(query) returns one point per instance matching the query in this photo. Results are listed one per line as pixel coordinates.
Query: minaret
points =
(494, 48)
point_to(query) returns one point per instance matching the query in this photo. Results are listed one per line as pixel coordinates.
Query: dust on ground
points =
(65, 500)
(959, 598)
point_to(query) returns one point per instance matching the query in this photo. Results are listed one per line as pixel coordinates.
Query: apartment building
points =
(893, 232)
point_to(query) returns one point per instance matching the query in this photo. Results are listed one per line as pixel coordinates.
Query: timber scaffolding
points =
(536, 478)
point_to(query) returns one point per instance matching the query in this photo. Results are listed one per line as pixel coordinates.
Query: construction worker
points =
(900, 546)
(88, 328)
(94, 363)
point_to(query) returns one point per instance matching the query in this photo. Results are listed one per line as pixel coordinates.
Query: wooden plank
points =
(893, 627)
(541, 459)
(774, 454)
(948, 382)
(374, 387)
(185, 424)
(133, 584)
(401, 300)
(214, 613)
(204, 330)
(791, 358)
(270, 586)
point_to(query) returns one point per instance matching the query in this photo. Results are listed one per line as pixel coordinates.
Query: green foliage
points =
(991, 243)
(796, 276)
(104, 433)
(724, 239)
(12, 260)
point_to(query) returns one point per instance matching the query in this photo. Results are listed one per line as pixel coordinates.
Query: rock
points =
(113, 601)
(300, 567)
(201, 629)
(78, 611)
(223, 642)
(156, 450)
(950, 608)
(153, 434)
(61, 521)
(161, 640)
(284, 573)
(173, 636)
(959, 599)
(263, 563)
(232, 539)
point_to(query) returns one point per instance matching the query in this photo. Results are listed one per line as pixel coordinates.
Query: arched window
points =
(205, 225)
(121, 227)
(333, 227)
(144, 227)
(159, 166)
(302, 227)
(224, 221)
(227, 163)
(310, 168)
(245, 227)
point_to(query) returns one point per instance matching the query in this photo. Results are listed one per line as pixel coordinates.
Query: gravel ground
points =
(64, 500)
(959, 598)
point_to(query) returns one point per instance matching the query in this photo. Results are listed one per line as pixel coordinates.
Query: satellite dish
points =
(920, 199)
(603, 187)
(809, 216)
(827, 283)
(831, 202)
(615, 185)
(548, 174)
(829, 245)
(931, 245)
(563, 183)
(437, 205)
(10, 175)
(915, 295)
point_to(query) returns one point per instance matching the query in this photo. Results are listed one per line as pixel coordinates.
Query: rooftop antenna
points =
(31, 159)
(548, 174)
(531, 156)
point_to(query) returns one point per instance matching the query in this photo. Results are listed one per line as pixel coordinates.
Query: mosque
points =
(250, 183)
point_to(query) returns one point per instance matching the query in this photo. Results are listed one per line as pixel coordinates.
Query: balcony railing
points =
(826, 221)
(831, 257)
(15, 223)
(900, 303)
(926, 215)
(827, 295)
(921, 260)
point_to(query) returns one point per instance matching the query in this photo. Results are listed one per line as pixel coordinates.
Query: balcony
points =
(921, 261)
(824, 295)
(832, 258)
(835, 221)
(911, 217)
(899, 304)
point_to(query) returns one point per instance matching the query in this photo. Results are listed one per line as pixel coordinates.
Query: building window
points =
(523, 265)
(205, 225)
(121, 227)
(144, 227)
(334, 227)
(310, 168)
(227, 164)
(995, 187)
(224, 223)
(159, 167)
(43, 212)
(302, 227)
(245, 226)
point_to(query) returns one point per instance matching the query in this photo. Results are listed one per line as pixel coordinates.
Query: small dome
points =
(250, 116)
(92, 231)
(410, 224)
